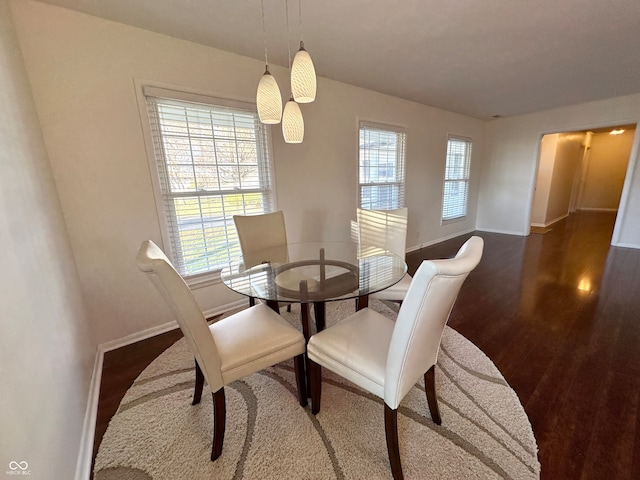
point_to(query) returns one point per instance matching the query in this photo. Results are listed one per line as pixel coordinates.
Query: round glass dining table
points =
(314, 273)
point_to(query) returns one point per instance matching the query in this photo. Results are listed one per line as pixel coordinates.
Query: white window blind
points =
(456, 178)
(212, 163)
(381, 166)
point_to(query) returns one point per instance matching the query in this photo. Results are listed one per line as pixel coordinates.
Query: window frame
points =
(465, 178)
(401, 160)
(144, 90)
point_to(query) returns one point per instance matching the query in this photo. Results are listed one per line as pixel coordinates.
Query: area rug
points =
(157, 434)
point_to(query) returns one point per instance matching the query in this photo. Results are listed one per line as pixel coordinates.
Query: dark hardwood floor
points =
(558, 313)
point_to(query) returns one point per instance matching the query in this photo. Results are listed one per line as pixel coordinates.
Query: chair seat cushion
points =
(254, 339)
(356, 349)
(396, 292)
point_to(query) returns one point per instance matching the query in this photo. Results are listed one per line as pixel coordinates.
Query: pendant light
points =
(292, 121)
(303, 73)
(268, 98)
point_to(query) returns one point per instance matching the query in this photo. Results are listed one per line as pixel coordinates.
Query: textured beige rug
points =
(157, 434)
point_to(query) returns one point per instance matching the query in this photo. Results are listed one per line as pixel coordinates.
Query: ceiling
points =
(482, 58)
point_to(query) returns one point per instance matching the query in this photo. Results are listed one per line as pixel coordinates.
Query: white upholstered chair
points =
(263, 238)
(386, 229)
(229, 349)
(386, 357)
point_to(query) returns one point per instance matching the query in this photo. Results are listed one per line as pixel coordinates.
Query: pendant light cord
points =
(286, 7)
(264, 35)
(300, 20)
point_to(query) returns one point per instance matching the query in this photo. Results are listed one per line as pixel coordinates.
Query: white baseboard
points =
(561, 217)
(626, 245)
(548, 224)
(137, 336)
(438, 240)
(85, 455)
(244, 301)
(501, 232)
(588, 209)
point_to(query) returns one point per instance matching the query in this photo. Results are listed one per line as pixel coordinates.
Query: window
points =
(381, 167)
(212, 162)
(456, 178)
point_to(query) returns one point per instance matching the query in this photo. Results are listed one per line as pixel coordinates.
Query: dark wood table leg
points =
(320, 311)
(304, 320)
(362, 302)
(321, 320)
(273, 305)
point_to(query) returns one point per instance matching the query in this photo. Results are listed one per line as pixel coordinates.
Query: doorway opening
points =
(580, 171)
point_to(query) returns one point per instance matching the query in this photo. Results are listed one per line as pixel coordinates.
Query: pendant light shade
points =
(292, 123)
(303, 77)
(268, 99)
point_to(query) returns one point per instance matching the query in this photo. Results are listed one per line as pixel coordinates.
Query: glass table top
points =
(314, 272)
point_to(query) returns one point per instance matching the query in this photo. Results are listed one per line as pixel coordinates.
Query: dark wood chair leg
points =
(219, 419)
(252, 301)
(298, 361)
(197, 392)
(432, 400)
(315, 378)
(391, 430)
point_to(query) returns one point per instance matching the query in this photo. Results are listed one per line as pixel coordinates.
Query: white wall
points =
(82, 71)
(567, 161)
(509, 173)
(608, 161)
(548, 145)
(560, 155)
(46, 353)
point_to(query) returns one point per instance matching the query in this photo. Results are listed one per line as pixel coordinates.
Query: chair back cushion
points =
(384, 228)
(178, 296)
(423, 315)
(262, 238)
